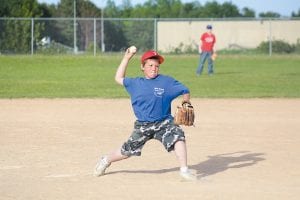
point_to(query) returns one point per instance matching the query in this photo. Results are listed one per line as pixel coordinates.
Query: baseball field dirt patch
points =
(239, 148)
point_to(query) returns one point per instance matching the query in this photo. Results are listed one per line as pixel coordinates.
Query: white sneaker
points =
(101, 166)
(188, 176)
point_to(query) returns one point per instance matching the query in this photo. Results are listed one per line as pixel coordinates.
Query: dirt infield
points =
(240, 149)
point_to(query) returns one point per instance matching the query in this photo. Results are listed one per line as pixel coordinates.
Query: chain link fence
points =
(66, 35)
(100, 35)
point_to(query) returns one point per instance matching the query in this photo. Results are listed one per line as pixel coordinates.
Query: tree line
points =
(149, 9)
(16, 35)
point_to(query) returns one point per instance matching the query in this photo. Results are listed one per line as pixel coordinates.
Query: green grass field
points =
(236, 76)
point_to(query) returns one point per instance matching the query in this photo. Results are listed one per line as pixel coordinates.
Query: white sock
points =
(184, 169)
(104, 159)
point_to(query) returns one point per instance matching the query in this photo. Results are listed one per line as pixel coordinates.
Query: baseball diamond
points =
(239, 148)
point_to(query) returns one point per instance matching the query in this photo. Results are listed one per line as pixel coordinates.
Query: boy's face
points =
(150, 68)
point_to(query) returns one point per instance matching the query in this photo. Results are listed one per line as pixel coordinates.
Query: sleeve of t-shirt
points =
(128, 84)
(179, 88)
(202, 37)
(183, 89)
(126, 81)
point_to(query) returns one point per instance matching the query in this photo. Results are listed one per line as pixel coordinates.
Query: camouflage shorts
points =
(165, 131)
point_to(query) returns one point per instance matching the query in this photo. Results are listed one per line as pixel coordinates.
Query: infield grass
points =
(251, 76)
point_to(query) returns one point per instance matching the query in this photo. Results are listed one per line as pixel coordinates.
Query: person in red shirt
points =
(208, 40)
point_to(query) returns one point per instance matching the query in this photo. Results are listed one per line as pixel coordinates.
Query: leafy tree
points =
(111, 10)
(229, 10)
(4, 9)
(140, 33)
(142, 11)
(126, 9)
(211, 10)
(46, 11)
(191, 10)
(247, 12)
(115, 39)
(86, 27)
(16, 34)
(167, 8)
(269, 14)
(62, 31)
(296, 14)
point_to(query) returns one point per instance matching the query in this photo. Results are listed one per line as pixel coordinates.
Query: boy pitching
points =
(151, 98)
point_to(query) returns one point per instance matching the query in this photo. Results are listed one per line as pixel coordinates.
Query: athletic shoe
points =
(101, 166)
(188, 176)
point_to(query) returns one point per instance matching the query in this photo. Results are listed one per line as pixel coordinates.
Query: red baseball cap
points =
(152, 54)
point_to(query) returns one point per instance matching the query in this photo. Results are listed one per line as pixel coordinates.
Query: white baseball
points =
(132, 49)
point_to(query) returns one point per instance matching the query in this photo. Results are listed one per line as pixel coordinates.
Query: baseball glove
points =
(214, 56)
(184, 114)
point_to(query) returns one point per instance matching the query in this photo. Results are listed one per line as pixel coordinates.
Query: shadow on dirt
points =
(222, 162)
(213, 165)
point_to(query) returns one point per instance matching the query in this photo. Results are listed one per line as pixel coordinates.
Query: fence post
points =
(75, 28)
(155, 34)
(95, 39)
(32, 35)
(270, 37)
(102, 31)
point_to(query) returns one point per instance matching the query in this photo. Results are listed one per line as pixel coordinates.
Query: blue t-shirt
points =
(151, 98)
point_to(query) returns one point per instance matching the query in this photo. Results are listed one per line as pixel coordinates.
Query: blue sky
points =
(283, 7)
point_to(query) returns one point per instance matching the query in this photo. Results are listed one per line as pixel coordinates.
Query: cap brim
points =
(159, 57)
